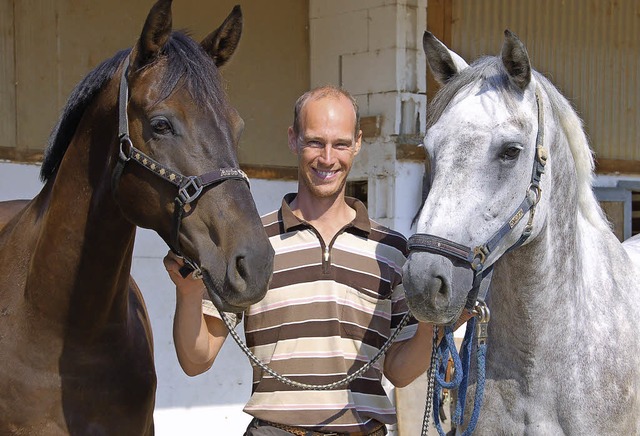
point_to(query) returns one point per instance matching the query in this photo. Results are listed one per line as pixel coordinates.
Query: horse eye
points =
(511, 152)
(161, 126)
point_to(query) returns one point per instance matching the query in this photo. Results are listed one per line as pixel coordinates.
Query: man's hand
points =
(465, 316)
(184, 286)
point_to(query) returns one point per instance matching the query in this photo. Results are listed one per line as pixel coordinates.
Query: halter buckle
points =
(190, 190)
(124, 157)
(479, 258)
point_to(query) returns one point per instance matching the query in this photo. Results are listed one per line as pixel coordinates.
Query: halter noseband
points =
(476, 258)
(189, 187)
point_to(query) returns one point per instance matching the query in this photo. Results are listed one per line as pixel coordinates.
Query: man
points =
(335, 298)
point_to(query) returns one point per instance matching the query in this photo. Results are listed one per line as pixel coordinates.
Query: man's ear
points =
(293, 140)
(358, 143)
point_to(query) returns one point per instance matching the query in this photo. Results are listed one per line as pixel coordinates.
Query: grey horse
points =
(563, 352)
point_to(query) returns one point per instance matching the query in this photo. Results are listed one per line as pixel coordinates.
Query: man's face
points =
(326, 145)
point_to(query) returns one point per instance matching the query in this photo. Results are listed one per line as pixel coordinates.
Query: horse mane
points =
(576, 138)
(490, 72)
(185, 59)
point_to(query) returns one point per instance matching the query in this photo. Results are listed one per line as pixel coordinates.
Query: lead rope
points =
(431, 375)
(323, 387)
(478, 326)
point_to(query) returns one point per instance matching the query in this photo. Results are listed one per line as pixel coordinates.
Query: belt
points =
(380, 430)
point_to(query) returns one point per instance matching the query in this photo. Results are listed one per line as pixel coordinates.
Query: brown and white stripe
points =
(325, 317)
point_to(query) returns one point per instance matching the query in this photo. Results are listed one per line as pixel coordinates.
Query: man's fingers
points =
(172, 262)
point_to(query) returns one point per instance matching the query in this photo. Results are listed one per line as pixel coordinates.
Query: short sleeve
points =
(210, 310)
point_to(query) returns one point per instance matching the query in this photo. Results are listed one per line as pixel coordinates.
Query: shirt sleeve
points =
(210, 310)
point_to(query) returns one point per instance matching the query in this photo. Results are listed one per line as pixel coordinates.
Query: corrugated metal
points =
(590, 49)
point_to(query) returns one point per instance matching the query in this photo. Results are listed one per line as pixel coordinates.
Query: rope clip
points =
(483, 316)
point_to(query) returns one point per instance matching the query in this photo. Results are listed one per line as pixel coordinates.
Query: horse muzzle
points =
(436, 287)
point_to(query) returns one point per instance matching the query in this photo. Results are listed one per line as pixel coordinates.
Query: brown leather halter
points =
(189, 187)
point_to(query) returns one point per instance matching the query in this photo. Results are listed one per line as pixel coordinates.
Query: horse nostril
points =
(241, 267)
(441, 286)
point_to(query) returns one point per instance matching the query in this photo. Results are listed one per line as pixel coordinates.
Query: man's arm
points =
(407, 360)
(197, 337)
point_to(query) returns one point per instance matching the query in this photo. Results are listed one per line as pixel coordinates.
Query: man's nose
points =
(327, 152)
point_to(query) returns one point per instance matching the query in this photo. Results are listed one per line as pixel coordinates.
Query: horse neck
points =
(543, 287)
(80, 268)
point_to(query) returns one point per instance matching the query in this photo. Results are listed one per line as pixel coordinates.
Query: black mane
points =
(185, 59)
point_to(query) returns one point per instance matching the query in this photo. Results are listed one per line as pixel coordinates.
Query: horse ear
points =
(222, 42)
(443, 62)
(516, 60)
(155, 34)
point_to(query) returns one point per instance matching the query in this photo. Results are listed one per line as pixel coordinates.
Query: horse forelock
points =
(486, 73)
(186, 61)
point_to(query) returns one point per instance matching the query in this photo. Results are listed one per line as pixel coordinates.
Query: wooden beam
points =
(370, 126)
(617, 166)
(17, 155)
(439, 22)
(410, 152)
(270, 172)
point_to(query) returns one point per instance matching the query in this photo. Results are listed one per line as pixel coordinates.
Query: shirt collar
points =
(361, 221)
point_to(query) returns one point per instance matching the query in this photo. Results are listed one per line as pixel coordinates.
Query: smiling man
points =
(335, 298)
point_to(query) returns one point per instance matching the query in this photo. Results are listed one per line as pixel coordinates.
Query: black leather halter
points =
(189, 187)
(476, 258)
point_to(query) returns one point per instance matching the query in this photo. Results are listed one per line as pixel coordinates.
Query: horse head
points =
(485, 143)
(178, 127)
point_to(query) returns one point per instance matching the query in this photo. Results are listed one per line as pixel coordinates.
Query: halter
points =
(189, 187)
(477, 260)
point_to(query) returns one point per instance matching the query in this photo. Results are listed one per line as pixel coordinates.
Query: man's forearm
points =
(407, 360)
(195, 347)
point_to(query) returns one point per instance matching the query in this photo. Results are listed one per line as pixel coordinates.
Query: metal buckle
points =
(192, 183)
(125, 156)
(479, 257)
(484, 315)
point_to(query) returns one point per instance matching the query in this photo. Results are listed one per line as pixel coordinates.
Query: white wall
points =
(184, 405)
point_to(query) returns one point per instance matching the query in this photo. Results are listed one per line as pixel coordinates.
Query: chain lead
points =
(323, 387)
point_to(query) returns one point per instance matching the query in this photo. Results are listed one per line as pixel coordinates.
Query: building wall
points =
(47, 46)
(587, 48)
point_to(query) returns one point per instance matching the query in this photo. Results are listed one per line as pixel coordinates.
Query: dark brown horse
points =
(76, 352)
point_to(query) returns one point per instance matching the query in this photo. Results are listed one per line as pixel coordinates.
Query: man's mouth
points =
(325, 174)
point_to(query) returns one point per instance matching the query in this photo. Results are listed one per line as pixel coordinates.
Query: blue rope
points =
(465, 356)
(447, 349)
(481, 355)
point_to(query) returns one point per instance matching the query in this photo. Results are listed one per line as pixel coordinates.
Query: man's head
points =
(325, 136)
(327, 91)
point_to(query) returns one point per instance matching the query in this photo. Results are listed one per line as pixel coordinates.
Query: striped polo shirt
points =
(329, 309)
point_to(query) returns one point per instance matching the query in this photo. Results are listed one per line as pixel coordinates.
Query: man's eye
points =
(315, 144)
(161, 126)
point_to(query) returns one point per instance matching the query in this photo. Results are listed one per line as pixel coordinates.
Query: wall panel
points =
(7, 76)
(588, 48)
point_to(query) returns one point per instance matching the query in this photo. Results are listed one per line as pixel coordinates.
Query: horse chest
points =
(59, 386)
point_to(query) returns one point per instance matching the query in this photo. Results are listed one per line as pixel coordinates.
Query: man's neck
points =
(327, 215)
